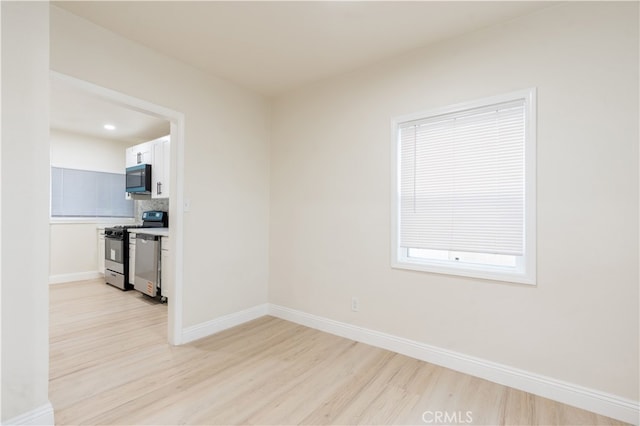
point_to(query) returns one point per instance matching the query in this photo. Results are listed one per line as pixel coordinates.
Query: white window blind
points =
(462, 181)
(86, 193)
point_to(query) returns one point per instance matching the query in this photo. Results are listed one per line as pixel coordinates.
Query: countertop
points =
(163, 232)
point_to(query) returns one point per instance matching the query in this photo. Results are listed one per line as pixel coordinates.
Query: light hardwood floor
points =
(110, 364)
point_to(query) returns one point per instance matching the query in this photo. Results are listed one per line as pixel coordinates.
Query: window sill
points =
(92, 220)
(483, 272)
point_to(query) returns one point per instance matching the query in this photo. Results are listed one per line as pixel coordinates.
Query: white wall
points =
(25, 211)
(74, 245)
(330, 198)
(83, 152)
(226, 173)
(73, 251)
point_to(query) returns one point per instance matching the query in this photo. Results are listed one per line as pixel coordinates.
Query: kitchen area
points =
(136, 256)
(110, 187)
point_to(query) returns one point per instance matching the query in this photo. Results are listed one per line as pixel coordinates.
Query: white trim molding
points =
(75, 276)
(40, 416)
(557, 390)
(225, 322)
(568, 393)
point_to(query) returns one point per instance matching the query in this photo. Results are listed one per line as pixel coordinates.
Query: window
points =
(464, 189)
(83, 193)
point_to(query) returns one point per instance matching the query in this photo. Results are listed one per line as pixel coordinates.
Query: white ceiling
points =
(272, 47)
(74, 110)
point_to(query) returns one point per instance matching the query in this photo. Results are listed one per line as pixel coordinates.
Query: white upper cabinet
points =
(139, 154)
(160, 168)
(157, 153)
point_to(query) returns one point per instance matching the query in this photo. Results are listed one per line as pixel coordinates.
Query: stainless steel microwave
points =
(139, 179)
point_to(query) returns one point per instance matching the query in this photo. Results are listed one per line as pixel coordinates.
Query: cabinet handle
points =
(139, 157)
(159, 188)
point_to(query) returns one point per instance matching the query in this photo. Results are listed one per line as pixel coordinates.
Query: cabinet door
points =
(145, 154)
(165, 268)
(138, 154)
(165, 275)
(166, 168)
(160, 169)
(132, 263)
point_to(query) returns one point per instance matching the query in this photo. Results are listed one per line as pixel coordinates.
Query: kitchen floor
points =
(110, 364)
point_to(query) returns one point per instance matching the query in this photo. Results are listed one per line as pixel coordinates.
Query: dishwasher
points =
(147, 279)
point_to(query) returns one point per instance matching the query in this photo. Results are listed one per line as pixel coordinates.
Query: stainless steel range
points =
(116, 244)
(116, 256)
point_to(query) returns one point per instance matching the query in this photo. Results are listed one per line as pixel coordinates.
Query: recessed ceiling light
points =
(109, 127)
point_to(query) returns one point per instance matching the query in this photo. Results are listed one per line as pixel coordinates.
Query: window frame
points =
(525, 270)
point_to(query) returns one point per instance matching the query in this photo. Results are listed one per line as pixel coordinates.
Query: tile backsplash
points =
(151, 204)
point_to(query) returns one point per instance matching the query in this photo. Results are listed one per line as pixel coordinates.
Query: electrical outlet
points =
(355, 304)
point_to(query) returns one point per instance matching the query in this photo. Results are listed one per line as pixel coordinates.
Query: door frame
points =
(176, 193)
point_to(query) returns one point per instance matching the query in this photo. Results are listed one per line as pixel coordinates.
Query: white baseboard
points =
(76, 276)
(557, 390)
(41, 416)
(216, 325)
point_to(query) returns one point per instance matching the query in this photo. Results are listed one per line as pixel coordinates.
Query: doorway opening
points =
(155, 120)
